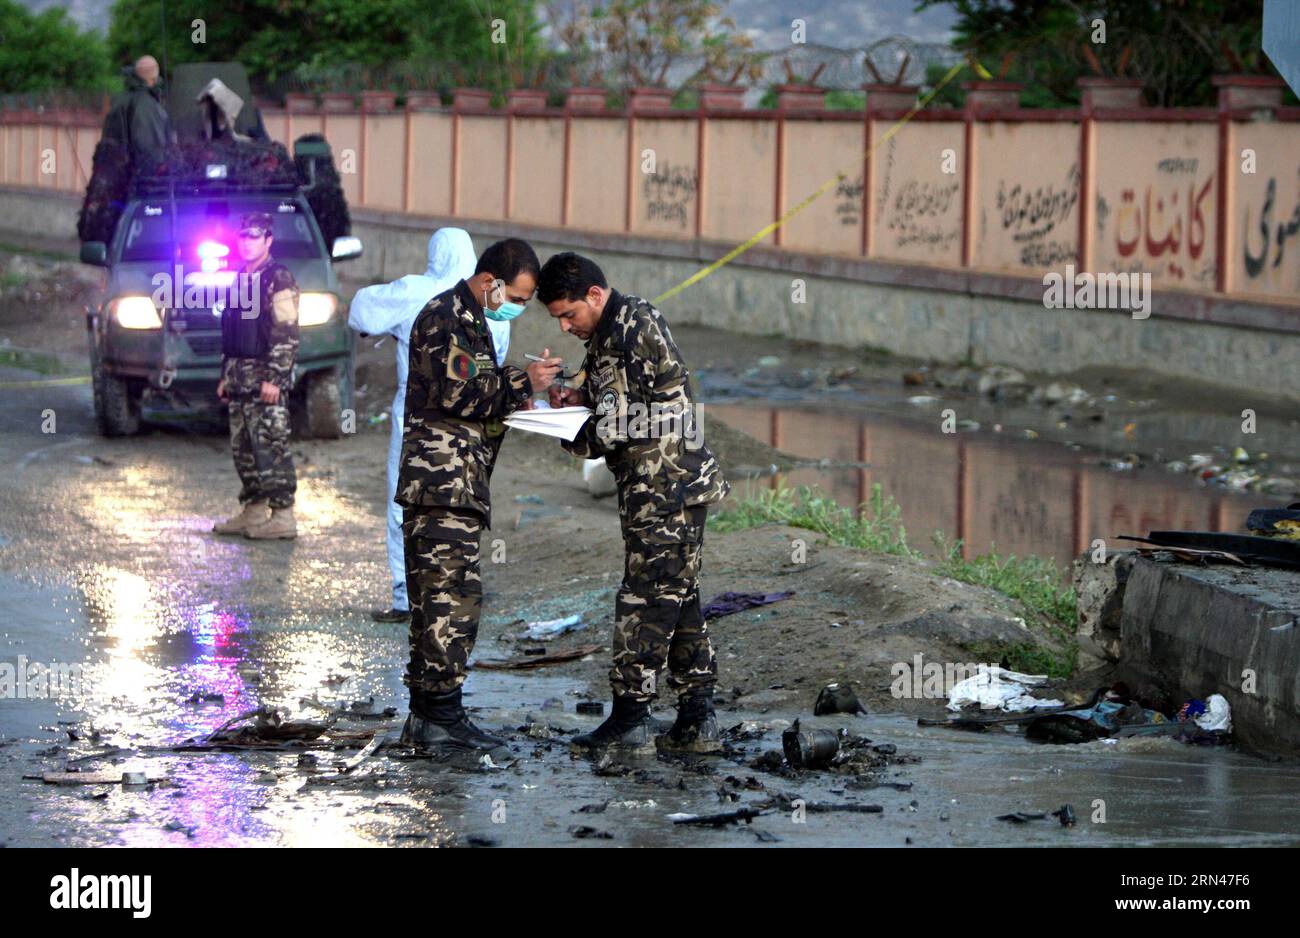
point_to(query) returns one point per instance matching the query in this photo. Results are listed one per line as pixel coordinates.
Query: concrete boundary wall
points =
(1203, 200)
(905, 309)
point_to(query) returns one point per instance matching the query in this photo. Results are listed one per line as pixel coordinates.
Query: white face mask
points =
(506, 310)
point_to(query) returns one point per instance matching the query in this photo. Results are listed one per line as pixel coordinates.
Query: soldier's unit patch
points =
(461, 365)
(608, 403)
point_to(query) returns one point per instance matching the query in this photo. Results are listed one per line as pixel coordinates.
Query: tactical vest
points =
(246, 336)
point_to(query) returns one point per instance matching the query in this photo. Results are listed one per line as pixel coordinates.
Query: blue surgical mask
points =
(503, 313)
(506, 311)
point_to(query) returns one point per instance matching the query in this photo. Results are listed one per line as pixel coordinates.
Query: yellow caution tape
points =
(818, 193)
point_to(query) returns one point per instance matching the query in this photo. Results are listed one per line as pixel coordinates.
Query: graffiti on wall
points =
(1039, 220)
(918, 216)
(1163, 227)
(922, 213)
(669, 194)
(848, 200)
(1262, 239)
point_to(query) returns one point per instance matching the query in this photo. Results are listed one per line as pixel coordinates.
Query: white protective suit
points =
(390, 309)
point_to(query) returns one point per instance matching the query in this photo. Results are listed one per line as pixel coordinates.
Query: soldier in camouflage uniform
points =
(456, 398)
(259, 342)
(645, 425)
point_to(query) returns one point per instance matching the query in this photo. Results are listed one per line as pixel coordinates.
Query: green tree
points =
(1173, 46)
(642, 41)
(46, 51)
(372, 39)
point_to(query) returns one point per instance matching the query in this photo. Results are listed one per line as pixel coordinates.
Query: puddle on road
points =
(142, 660)
(1018, 496)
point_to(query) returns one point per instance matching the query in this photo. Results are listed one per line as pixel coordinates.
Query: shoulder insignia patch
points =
(461, 365)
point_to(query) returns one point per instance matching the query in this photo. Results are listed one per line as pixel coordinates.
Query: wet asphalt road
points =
(106, 561)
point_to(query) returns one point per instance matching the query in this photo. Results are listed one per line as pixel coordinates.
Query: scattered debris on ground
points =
(527, 662)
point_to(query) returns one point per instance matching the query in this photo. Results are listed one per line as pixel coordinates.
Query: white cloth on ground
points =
(996, 688)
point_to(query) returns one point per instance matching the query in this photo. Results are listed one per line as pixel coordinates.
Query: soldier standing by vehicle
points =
(259, 341)
(645, 426)
(137, 118)
(456, 398)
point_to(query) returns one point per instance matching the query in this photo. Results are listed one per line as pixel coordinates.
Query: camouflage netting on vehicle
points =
(248, 163)
(110, 181)
(324, 188)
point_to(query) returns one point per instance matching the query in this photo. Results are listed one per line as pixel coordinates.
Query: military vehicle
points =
(155, 332)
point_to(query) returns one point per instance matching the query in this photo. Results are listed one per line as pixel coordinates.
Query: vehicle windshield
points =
(205, 231)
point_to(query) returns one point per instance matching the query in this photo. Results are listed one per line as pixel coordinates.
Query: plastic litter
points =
(599, 480)
(1105, 718)
(1217, 716)
(553, 627)
(716, 820)
(996, 688)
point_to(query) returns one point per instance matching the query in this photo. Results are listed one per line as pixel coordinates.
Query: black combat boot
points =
(696, 727)
(438, 722)
(629, 728)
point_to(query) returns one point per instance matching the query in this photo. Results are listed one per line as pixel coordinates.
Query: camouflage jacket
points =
(277, 294)
(456, 397)
(645, 423)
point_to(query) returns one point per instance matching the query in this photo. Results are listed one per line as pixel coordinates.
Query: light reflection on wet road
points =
(105, 561)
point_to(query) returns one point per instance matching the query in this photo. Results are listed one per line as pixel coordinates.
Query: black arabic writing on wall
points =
(848, 204)
(669, 193)
(1254, 262)
(922, 213)
(1032, 214)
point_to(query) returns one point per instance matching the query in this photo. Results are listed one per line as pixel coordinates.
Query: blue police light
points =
(212, 255)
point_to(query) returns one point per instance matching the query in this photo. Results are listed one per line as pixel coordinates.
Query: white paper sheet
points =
(562, 422)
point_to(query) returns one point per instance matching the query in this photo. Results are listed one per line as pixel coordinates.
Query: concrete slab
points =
(1196, 631)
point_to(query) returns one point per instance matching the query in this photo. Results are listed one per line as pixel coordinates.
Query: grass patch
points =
(1034, 582)
(49, 255)
(879, 529)
(1028, 659)
(39, 362)
(875, 353)
(11, 281)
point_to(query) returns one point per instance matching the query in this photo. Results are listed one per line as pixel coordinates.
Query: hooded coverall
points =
(390, 309)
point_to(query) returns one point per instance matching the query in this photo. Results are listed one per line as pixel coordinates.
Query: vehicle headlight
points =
(136, 312)
(316, 308)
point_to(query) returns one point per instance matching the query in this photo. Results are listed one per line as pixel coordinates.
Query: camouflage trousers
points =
(259, 439)
(657, 618)
(445, 594)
